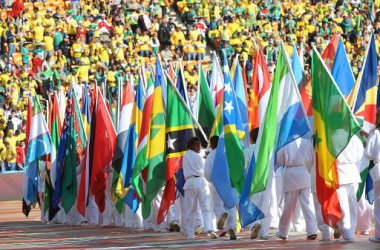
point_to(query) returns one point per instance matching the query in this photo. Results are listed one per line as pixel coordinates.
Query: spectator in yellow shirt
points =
(201, 48)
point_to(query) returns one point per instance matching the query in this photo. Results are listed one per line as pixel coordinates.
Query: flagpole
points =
(188, 109)
(361, 73)
(295, 86)
(336, 85)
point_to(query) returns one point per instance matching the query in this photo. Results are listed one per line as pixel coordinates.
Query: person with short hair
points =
(196, 189)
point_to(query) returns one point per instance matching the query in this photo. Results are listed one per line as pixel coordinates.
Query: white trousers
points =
(376, 189)
(290, 199)
(133, 220)
(349, 206)
(324, 228)
(176, 216)
(192, 196)
(151, 221)
(110, 215)
(365, 215)
(92, 212)
(217, 209)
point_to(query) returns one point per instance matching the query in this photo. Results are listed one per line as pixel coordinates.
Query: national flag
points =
(179, 128)
(141, 161)
(284, 122)
(85, 178)
(260, 91)
(329, 109)
(121, 143)
(75, 146)
(104, 144)
(51, 173)
(57, 195)
(39, 145)
(123, 187)
(248, 211)
(156, 173)
(86, 105)
(205, 111)
(241, 94)
(341, 70)
(216, 84)
(228, 171)
(297, 67)
(26, 208)
(365, 105)
(182, 86)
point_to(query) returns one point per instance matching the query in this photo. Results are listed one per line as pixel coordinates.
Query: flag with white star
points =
(229, 161)
(179, 128)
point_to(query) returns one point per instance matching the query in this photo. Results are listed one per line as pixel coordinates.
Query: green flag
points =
(206, 110)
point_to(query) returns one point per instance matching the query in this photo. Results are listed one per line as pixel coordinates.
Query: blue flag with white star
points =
(228, 171)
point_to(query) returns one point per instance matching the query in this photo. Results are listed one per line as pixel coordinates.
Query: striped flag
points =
(228, 172)
(260, 91)
(39, 145)
(121, 143)
(50, 179)
(365, 105)
(141, 161)
(75, 144)
(179, 128)
(329, 109)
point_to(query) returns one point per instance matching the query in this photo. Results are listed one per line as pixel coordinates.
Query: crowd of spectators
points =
(47, 46)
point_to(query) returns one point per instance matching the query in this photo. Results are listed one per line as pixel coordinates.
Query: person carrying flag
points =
(196, 189)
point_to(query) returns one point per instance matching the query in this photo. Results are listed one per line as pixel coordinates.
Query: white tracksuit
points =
(349, 177)
(196, 190)
(296, 184)
(217, 204)
(372, 151)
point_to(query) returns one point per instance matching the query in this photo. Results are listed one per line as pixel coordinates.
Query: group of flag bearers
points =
(147, 168)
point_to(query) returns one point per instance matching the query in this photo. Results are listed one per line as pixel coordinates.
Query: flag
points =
(205, 110)
(297, 67)
(57, 195)
(85, 178)
(334, 125)
(216, 84)
(179, 128)
(341, 70)
(121, 141)
(39, 144)
(156, 173)
(26, 208)
(248, 211)
(74, 149)
(228, 172)
(181, 85)
(104, 145)
(129, 197)
(260, 91)
(51, 173)
(240, 90)
(141, 161)
(365, 105)
(86, 104)
(291, 116)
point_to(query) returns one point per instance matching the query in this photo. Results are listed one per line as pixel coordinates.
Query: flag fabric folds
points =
(75, 144)
(260, 91)
(156, 172)
(104, 144)
(39, 145)
(205, 110)
(365, 105)
(179, 128)
(228, 172)
(121, 141)
(334, 125)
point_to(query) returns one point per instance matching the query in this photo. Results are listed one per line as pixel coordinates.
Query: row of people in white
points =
(203, 206)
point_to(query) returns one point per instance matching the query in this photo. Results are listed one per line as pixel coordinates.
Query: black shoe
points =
(312, 237)
(232, 233)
